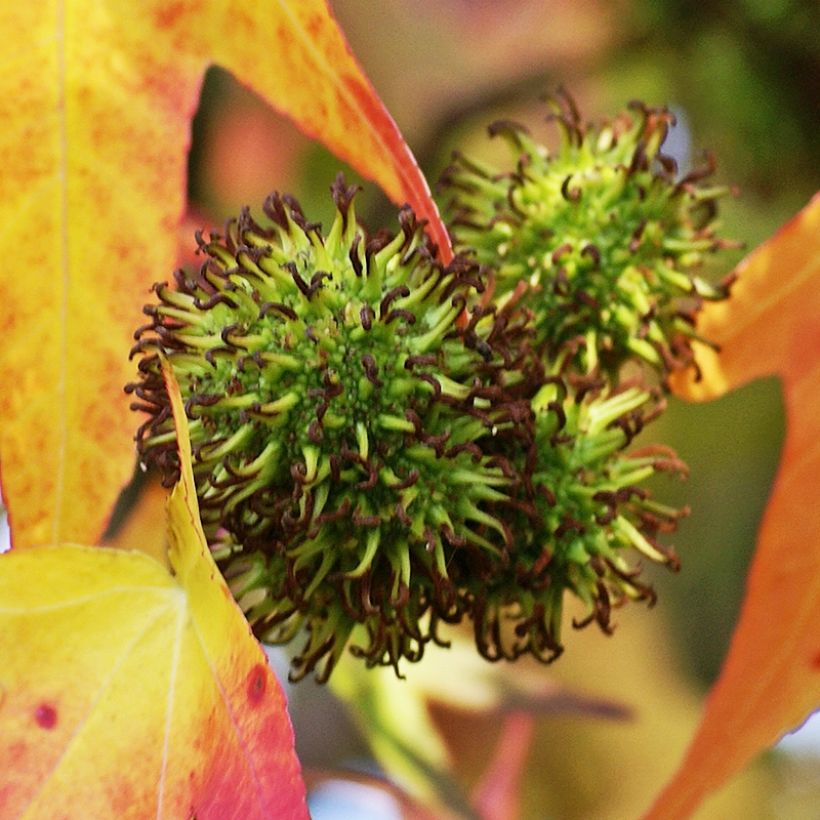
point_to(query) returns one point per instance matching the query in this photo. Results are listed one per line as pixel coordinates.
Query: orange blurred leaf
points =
(96, 102)
(128, 691)
(770, 681)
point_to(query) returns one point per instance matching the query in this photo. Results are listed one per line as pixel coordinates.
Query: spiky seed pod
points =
(599, 238)
(334, 424)
(583, 517)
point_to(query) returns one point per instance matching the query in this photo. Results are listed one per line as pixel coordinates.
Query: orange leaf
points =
(127, 691)
(770, 681)
(96, 101)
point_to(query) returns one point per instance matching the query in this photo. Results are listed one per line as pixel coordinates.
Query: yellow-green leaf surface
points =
(96, 101)
(770, 681)
(129, 691)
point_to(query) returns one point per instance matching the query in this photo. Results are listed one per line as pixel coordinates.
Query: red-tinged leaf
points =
(498, 795)
(96, 101)
(332, 99)
(128, 691)
(770, 681)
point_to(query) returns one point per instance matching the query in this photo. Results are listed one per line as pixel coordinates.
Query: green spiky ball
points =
(381, 446)
(334, 423)
(598, 238)
(583, 517)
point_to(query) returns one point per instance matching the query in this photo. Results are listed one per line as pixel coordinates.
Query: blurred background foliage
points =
(744, 80)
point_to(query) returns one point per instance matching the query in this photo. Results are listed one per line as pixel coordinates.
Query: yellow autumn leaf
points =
(128, 690)
(96, 101)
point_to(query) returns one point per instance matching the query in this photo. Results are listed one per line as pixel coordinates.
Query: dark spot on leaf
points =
(46, 716)
(257, 681)
(815, 661)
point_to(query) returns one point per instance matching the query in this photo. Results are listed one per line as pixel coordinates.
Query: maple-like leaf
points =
(127, 690)
(770, 681)
(96, 101)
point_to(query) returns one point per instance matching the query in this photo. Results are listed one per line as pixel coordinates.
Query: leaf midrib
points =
(62, 420)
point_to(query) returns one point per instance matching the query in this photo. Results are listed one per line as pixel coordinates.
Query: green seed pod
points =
(598, 238)
(582, 517)
(334, 421)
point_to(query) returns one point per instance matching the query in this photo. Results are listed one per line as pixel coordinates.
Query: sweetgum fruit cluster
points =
(599, 238)
(334, 418)
(383, 443)
(581, 515)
